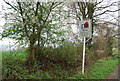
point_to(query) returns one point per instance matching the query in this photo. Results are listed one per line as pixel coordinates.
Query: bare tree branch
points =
(100, 8)
(23, 19)
(106, 11)
(10, 5)
(98, 2)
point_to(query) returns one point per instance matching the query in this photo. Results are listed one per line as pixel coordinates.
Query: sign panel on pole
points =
(85, 31)
(85, 28)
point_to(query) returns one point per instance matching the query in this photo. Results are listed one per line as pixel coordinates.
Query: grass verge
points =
(100, 70)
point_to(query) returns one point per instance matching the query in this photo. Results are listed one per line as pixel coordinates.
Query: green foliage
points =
(101, 47)
(46, 76)
(13, 66)
(77, 76)
(67, 53)
(59, 73)
(42, 25)
(110, 46)
(9, 68)
(13, 69)
(102, 69)
(0, 56)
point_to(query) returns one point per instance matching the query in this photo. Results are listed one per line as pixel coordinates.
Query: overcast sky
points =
(2, 21)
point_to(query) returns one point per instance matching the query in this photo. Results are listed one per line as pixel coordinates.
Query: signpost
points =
(85, 31)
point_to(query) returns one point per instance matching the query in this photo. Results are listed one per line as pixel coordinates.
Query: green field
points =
(14, 55)
(0, 60)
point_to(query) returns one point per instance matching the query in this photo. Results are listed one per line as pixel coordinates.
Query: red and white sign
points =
(86, 28)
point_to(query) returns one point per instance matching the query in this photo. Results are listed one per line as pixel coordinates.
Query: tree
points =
(91, 10)
(30, 23)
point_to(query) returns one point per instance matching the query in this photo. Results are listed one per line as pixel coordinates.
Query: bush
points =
(68, 53)
(101, 49)
(12, 67)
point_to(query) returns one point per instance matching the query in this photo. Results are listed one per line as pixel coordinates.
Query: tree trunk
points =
(31, 57)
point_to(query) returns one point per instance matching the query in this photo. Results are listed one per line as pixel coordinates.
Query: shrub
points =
(12, 67)
(101, 49)
(68, 53)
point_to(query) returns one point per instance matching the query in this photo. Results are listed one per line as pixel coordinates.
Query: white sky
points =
(2, 21)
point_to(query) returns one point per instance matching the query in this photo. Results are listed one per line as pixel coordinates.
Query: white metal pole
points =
(83, 62)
